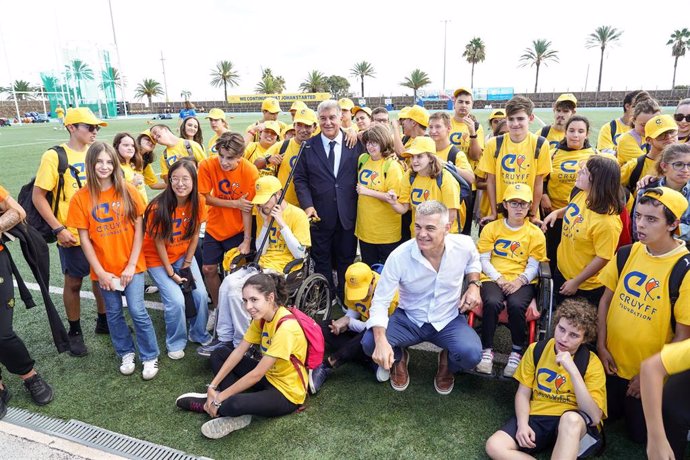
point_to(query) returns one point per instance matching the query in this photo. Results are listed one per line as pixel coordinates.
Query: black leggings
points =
(13, 353)
(517, 303)
(265, 400)
(553, 239)
(347, 346)
(376, 253)
(677, 412)
(628, 407)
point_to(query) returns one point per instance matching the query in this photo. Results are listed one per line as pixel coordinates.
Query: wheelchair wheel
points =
(314, 297)
(545, 301)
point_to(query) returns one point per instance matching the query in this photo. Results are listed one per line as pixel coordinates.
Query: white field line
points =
(43, 141)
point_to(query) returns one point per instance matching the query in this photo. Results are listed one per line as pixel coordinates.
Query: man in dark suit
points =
(325, 182)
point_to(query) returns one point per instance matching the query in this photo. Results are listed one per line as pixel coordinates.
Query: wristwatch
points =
(476, 283)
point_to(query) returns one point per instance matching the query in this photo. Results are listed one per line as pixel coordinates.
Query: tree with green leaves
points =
(540, 53)
(338, 86)
(20, 88)
(475, 52)
(185, 94)
(679, 43)
(223, 75)
(79, 71)
(416, 80)
(361, 70)
(112, 75)
(148, 88)
(602, 37)
(314, 83)
(269, 83)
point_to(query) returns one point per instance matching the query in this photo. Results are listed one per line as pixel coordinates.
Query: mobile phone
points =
(116, 284)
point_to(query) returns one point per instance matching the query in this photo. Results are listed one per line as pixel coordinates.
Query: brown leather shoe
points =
(400, 378)
(444, 380)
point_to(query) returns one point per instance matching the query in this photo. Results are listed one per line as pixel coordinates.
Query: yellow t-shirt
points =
(172, 154)
(629, 148)
(563, 174)
(461, 161)
(282, 343)
(460, 136)
(552, 387)
(60, 112)
(426, 188)
(253, 152)
(553, 136)
(638, 323)
(362, 306)
(627, 169)
(211, 146)
(277, 254)
(515, 163)
(289, 159)
(256, 123)
(586, 234)
(510, 249)
(377, 222)
(149, 178)
(676, 357)
(605, 141)
(47, 179)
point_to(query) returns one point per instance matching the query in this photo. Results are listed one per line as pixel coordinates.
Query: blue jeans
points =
(173, 303)
(143, 327)
(461, 341)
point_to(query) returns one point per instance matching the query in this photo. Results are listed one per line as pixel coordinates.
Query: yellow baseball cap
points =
(497, 114)
(273, 126)
(357, 281)
(462, 89)
(290, 127)
(403, 113)
(266, 187)
(346, 104)
(658, 125)
(357, 108)
(305, 116)
(518, 192)
(147, 133)
(82, 115)
(271, 105)
(216, 114)
(229, 257)
(567, 97)
(419, 145)
(674, 201)
(298, 105)
(419, 114)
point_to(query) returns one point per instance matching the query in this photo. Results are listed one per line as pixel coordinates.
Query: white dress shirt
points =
(337, 148)
(426, 296)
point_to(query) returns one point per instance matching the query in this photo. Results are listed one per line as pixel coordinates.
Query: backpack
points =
(636, 173)
(33, 217)
(316, 344)
(614, 127)
(678, 272)
(284, 147)
(581, 358)
(363, 158)
(501, 138)
(545, 131)
(187, 146)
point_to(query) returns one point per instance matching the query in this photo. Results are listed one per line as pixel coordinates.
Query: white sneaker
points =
(382, 375)
(513, 362)
(222, 426)
(486, 365)
(211, 323)
(127, 366)
(176, 354)
(150, 369)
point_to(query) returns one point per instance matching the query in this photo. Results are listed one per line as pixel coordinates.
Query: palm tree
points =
(601, 38)
(78, 70)
(537, 55)
(111, 75)
(185, 94)
(314, 83)
(475, 52)
(223, 75)
(148, 88)
(269, 83)
(361, 70)
(417, 79)
(680, 42)
(20, 88)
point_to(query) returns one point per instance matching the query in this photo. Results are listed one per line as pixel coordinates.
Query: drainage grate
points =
(93, 436)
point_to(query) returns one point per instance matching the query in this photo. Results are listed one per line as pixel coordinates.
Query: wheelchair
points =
(308, 291)
(538, 316)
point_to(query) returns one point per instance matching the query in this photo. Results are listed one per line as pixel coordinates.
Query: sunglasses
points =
(680, 117)
(91, 128)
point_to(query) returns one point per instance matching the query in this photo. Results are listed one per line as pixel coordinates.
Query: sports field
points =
(353, 416)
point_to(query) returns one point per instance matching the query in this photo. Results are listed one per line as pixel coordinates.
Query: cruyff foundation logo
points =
(548, 381)
(231, 189)
(512, 163)
(504, 248)
(640, 291)
(419, 196)
(369, 178)
(108, 217)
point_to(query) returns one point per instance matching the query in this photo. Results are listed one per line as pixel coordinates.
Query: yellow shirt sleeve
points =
(676, 357)
(487, 162)
(450, 191)
(461, 161)
(607, 231)
(198, 151)
(628, 149)
(608, 276)
(150, 177)
(405, 187)
(605, 141)
(47, 174)
(544, 160)
(253, 334)
(526, 369)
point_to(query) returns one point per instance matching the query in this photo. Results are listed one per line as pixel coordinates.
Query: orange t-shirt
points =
(177, 247)
(111, 233)
(224, 223)
(3, 196)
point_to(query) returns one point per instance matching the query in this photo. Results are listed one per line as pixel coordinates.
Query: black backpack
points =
(33, 217)
(187, 146)
(581, 358)
(636, 173)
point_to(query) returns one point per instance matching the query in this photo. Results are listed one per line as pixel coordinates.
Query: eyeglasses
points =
(178, 180)
(679, 166)
(680, 117)
(91, 128)
(519, 204)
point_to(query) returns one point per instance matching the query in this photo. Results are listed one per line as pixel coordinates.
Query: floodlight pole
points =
(165, 80)
(123, 87)
(445, 29)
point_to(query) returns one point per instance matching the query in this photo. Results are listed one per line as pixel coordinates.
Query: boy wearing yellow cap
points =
(296, 107)
(346, 105)
(611, 131)
(465, 131)
(637, 315)
(255, 152)
(362, 116)
(495, 118)
(564, 108)
(175, 148)
(82, 126)
(413, 121)
(344, 335)
(219, 125)
(270, 108)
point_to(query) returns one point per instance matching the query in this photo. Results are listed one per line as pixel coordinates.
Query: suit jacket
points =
(334, 198)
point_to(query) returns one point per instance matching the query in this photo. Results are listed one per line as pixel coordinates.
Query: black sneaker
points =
(41, 392)
(76, 344)
(317, 377)
(4, 399)
(192, 402)
(102, 327)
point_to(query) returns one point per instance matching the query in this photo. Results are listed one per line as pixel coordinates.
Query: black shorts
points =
(214, 250)
(73, 262)
(545, 429)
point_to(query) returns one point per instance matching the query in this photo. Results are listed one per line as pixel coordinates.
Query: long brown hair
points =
(137, 159)
(198, 137)
(382, 136)
(128, 207)
(605, 193)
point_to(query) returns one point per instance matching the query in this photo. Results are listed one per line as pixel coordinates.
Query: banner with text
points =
(285, 97)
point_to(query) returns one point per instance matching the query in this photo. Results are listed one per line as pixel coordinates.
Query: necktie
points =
(331, 156)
